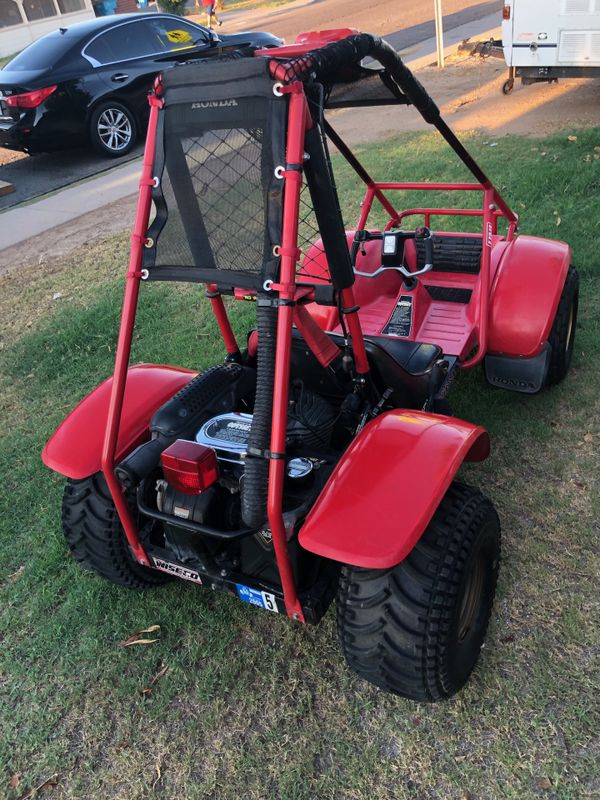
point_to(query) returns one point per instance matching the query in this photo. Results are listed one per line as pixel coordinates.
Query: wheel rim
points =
(471, 599)
(114, 129)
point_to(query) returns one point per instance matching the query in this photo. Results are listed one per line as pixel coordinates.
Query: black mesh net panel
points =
(219, 204)
(312, 264)
(223, 169)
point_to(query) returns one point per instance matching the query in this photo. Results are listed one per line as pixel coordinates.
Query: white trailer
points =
(544, 40)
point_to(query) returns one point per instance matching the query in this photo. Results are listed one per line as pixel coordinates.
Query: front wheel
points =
(113, 130)
(562, 335)
(416, 629)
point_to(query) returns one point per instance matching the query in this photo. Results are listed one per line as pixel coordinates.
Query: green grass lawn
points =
(252, 706)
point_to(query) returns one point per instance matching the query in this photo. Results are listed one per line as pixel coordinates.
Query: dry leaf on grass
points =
(161, 672)
(571, 138)
(15, 780)
(589, 437)
(135, 637)
(16, 574)
(158, 775)
(49, 783)
(544, 783)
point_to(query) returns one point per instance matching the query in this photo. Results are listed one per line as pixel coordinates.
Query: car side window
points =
(172, 35)
(131, 40)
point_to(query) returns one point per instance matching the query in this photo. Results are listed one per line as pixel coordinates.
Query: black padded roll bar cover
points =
(327, 211)
(329, 59)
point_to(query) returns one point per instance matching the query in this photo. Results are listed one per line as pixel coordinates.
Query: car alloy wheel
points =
(114, 129)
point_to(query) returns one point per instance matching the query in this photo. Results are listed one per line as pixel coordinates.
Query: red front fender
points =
(525, 295)
(75, 447)
(385, 490)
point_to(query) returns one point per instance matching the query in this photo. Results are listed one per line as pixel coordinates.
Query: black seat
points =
(405, 367)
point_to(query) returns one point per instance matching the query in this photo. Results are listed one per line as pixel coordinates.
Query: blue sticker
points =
(256, 598)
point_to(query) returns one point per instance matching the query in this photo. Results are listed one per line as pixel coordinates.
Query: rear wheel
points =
(562, 335)
(96, 538)
(113, 130)
(416, 629)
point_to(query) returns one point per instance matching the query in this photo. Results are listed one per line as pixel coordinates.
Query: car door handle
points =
(119, 77)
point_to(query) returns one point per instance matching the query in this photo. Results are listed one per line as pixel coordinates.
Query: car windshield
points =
(42, 54)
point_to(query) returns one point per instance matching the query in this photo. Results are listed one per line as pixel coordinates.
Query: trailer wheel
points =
(96, 538)
(508, 86)
(416, 629)
(562, 335)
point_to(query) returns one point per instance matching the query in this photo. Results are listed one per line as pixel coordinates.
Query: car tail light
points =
(29, 99)
(506, 12)
(189, 467)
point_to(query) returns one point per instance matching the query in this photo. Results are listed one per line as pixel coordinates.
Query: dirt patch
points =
(468, 93)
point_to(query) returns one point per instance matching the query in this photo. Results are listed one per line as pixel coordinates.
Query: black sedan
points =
(89, 82)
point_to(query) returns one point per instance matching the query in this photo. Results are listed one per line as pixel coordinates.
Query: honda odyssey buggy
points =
(319, 458)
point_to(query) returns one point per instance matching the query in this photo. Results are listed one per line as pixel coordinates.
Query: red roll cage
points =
(289, 69)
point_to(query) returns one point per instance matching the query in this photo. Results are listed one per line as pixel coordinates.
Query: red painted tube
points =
(365, 208)
(415, 186)
(355, 331)
(484, 280)
(223, 322)
(289, 242)
(130, 300)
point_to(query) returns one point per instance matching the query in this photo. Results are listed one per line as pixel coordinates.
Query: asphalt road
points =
(404, 22)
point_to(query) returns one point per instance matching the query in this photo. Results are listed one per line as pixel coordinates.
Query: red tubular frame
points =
(223, 322)
(298, 121)
(494, 207)
(132, 286)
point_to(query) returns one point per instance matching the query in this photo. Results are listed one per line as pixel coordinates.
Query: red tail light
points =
(189, 467)
(506, 12)
(30, 99)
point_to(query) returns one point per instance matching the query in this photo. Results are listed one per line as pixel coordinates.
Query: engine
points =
(202, 477)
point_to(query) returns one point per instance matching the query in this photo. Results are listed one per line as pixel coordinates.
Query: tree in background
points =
(173, 7)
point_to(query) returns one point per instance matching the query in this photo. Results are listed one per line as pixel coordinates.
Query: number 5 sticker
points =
(270, 602)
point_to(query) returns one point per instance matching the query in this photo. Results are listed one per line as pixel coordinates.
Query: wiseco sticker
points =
(176, 569)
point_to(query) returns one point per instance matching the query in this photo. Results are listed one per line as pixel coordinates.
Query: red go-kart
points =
(319, 458)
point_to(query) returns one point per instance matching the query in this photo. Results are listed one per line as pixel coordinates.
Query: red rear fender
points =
(75, 447)
(385, 490)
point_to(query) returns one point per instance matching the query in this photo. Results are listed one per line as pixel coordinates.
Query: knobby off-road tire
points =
(416, 629)
(562, 335)
(96, 538)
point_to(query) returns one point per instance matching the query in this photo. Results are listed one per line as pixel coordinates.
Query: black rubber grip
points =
(327, 211)
(332, 58)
